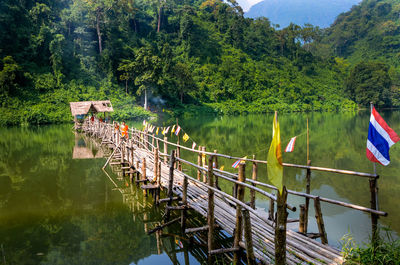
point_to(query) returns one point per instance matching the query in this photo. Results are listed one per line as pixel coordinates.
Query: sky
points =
(246, 4)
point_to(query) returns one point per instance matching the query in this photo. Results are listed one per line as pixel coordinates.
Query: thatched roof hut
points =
(85, 107)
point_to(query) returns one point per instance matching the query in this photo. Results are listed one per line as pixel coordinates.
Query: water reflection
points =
(337, 140)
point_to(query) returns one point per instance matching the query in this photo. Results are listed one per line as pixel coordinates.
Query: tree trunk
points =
(98, 30)
(126, 86)
(145, 98)
(181, 97)
(159, 19)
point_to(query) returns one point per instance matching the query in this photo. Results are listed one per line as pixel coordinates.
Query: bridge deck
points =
(299, 248)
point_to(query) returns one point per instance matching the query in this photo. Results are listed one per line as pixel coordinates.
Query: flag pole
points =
(373, 185)
(372, 106)
(308, 143)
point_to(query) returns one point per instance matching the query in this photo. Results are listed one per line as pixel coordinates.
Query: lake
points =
(58, 207)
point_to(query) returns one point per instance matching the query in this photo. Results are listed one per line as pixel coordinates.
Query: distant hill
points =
(320, 13)
(370, 31)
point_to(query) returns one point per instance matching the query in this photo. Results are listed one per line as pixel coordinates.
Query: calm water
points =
(58, 209)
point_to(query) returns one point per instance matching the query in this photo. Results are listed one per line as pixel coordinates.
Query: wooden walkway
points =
(140, 154)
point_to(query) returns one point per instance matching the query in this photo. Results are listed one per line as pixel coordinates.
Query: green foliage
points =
(201, 53)
(370, 82)
(385, 251)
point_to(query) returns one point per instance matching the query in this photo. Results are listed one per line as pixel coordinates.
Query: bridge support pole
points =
(210, 212)
(170, 193)
(253, 192)
(165, 149)
(144, 177)
(248, 237)
(239, 221)
(308, 191)
(374, 218)
(280, 228)
(320, 221)
(203, 158)
(199, 164)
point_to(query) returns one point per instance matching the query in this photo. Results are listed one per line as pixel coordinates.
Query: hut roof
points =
(83, 107)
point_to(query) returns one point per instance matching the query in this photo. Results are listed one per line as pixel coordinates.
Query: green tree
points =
(9, 76)
(369, 82)
(147, 69)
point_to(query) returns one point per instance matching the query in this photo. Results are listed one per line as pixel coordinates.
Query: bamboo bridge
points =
(139, 157)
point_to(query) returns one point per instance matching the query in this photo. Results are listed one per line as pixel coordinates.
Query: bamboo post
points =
(280, 228)
(159, 175)
(184, 202)
(215, 165)
(253, 192)
(374, 218)
(320, 221)
(156, 164)
(170, 193)
(144, 177)
(238, 226)
(308, 191)
(137, 170)
(199, 163)
(178, 155)
(165, 149)
(210, 212)
(271, 210)
(302, 218)
(203, 158)
(122, 148)
(248, 237)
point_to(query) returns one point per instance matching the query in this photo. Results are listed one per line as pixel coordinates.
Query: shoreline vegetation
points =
(385, 251)
(189, 56)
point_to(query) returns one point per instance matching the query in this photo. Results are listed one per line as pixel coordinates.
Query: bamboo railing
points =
(247, 211)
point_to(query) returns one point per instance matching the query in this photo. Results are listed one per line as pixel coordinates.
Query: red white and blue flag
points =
(290, 146)
(380, 138)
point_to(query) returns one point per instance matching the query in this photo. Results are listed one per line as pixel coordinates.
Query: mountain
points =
(320, 13)
(246, 4)
(369, 31)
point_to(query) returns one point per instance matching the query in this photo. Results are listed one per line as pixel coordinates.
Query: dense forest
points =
(181, 55)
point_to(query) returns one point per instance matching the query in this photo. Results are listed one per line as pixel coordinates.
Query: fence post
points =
(199, 163)
(308, 191)
(238, 226)
(144, 174)
(184, 202)
(215, 165)
(253, 192)
(165, 149)
(156, 164)
(203, 158)
(170, 193)
(320, 221)
(248, 237)
(210, 212)
(302, 218)
(280, 228)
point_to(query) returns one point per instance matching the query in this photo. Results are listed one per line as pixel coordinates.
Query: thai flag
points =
(178, 129)
(236, 164)
(290, 146)
(380, 138)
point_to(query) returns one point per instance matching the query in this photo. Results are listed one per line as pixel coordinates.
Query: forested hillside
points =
(184, 54)
(368, 37)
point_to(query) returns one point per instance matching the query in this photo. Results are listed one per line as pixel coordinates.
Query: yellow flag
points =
(163, 131)
(274, 166)
(157, 130)
(222, 168)
(185, 137)
(173, 129)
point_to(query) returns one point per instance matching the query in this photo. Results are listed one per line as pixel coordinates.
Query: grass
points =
(386, 251)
